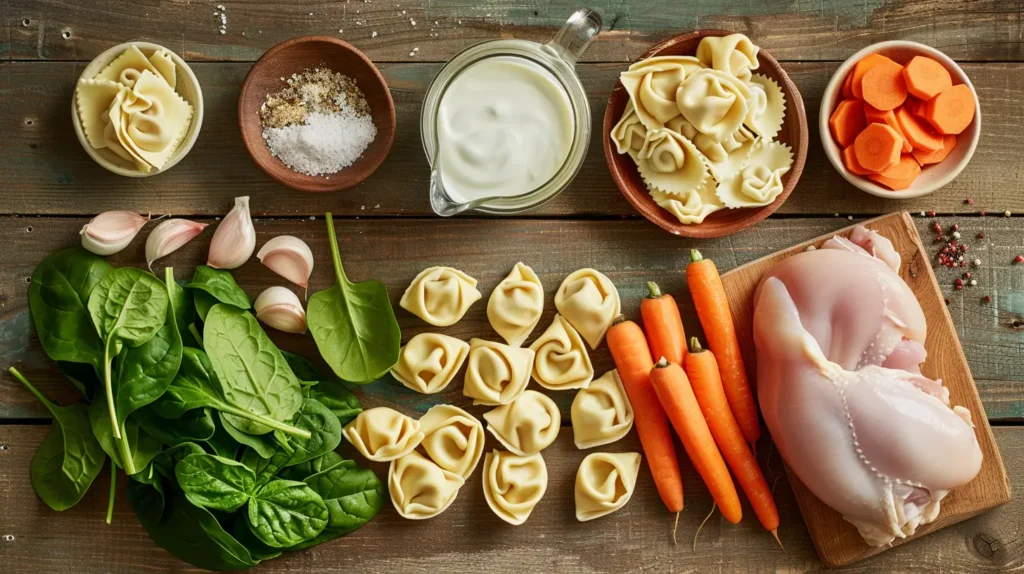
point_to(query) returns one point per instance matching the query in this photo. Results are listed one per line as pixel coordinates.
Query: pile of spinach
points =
(228, 441)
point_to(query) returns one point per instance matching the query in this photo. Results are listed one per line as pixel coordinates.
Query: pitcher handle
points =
(571, 41)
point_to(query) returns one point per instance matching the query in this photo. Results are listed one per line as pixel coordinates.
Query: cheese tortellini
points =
(671, 163)
(714, 102)
(604, 483)
(562, 361)
(497, 374)
(629, 134)
(440, 295)
(760, 181)
(601, 413)
(452, 438)
(516, 304)
(382, 434)
(527, 425)
(513, 484)
(420, 488)
(590, 302)
(429, 361)
(734, 54)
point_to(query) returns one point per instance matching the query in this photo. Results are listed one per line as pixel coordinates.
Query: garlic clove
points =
(289, 257)
(168, 236)
(281, 309)
(235, 238)
(111, 231)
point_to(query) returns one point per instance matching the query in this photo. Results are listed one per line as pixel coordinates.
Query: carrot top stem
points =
(661, 364)
(695, 345)
(653, 291)
(695, 256)
(618, 319)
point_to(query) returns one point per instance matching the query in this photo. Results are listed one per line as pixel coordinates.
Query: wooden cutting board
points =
(835, 539)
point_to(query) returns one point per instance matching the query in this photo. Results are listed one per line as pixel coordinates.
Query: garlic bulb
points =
(167, 237)
(112, 231)
(235, 239)
(281, 309)
(289, 257)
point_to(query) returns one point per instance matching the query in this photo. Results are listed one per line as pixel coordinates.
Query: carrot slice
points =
(884, 87)
(874, 115)
(847, 121)
(929, 157)
(926, 78)
(878, 147)
(913, 105)
(851, 163)
(918, 132)
(899, 176)
(862, 67)
(951, 111)
(848, 87)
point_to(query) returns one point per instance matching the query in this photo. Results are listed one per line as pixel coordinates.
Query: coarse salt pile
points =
(325, 144)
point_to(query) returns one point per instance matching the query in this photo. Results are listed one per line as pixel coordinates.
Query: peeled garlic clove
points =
(281, 309)
(235, 238)
(289, 257)
(112, 231)
(167, 237)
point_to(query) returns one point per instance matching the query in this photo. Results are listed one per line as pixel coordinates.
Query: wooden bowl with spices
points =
(316, 114)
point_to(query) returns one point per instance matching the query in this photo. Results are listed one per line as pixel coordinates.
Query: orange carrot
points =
(847, 121)
(677, 397)
(702, 369)
(874, 115)
(913, 105)
(951, 111)
(862, 67)
(633, 360)
(663, 325)
(878, 148)
(926, 78)
(715, 317)
(918, 132)
(848, 87)
(929, 157)
(851, 163)
(883, 86)
(899, 176)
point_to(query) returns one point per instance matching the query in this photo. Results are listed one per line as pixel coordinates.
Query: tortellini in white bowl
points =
(382, 434)
(452, 438)
(496, 374)
(590, 302)
(562, 361)
(440, 295)
(516, 304)
(601, 413)
(420, 488)
(429, 361)
(527, 425)
(605, 483)
(513, 484)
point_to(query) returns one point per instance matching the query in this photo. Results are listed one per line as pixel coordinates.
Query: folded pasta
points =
(440, 295)
(527, 425)
(382, 434)
(590, 302)
(452, 438)
(420, 488)
(516, 304)
(496, 374)
(562, 361)
(513, 484)
(429, 361)
(605, 483)
(601, 413)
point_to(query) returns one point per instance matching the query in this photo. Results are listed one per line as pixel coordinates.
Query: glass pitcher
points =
(557, 57)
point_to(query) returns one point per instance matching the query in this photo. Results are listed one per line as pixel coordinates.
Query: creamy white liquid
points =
(505, 126)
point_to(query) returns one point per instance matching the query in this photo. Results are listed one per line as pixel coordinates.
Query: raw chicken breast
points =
(840, 339)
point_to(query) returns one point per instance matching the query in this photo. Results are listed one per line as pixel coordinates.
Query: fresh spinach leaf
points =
(252, 372)
(58, 299)
(353, 496)
(304, 369)
(182, 307)
(307, 469)
(257, 549)
(285, 513)
(83, 376)
(266, 468)
(334, 396)
(141, 445)
(353, 324)
(204, 302)
(322, 425)
(219, 284)
(194, 426)
(264, 444)
(69, 458)
(221, 443)
(215, 482)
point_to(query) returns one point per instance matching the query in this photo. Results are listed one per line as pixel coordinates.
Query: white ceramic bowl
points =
(187, 87)
(933, 176)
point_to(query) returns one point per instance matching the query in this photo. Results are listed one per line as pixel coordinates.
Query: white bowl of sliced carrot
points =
(899, 119)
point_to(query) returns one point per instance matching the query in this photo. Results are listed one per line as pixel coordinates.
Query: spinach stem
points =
(195, 333)
(339, 271)
(288, 429)
(126, 454)
(32, 389)
(109, 388)
(113, 491)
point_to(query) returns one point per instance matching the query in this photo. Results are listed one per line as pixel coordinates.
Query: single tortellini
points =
(429, 361)
(419, 488)
(527, 425)
(440, 295)
(652, 89)
(516, 304)
(734, 54)
(590, 302)
(760, 181)
(513, 484)
(496, 374)
(629, 134)
(714, 102)
(562, 361)
(767, 107)
(692, 207)
(604, 483)
(601, 413)
(382, 434)
(670, 162)
(452, 438)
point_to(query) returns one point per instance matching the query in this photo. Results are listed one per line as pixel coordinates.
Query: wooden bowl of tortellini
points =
(705, 134)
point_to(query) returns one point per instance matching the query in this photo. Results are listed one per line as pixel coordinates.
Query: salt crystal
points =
(325, 144)
(373, 34)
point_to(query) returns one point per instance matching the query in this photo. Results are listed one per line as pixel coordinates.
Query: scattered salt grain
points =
(325, 144)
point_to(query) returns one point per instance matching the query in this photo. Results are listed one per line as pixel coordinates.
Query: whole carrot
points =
(702, 369)
(676, 396)
(633, 360)
(663, 325)
(713, 309)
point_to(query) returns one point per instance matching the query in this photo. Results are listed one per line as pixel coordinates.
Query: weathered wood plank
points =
(469, 538)
(830, 30)
(630, 252)
(41, 162)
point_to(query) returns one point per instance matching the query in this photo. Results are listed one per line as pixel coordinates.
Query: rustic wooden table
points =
(49, 187)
